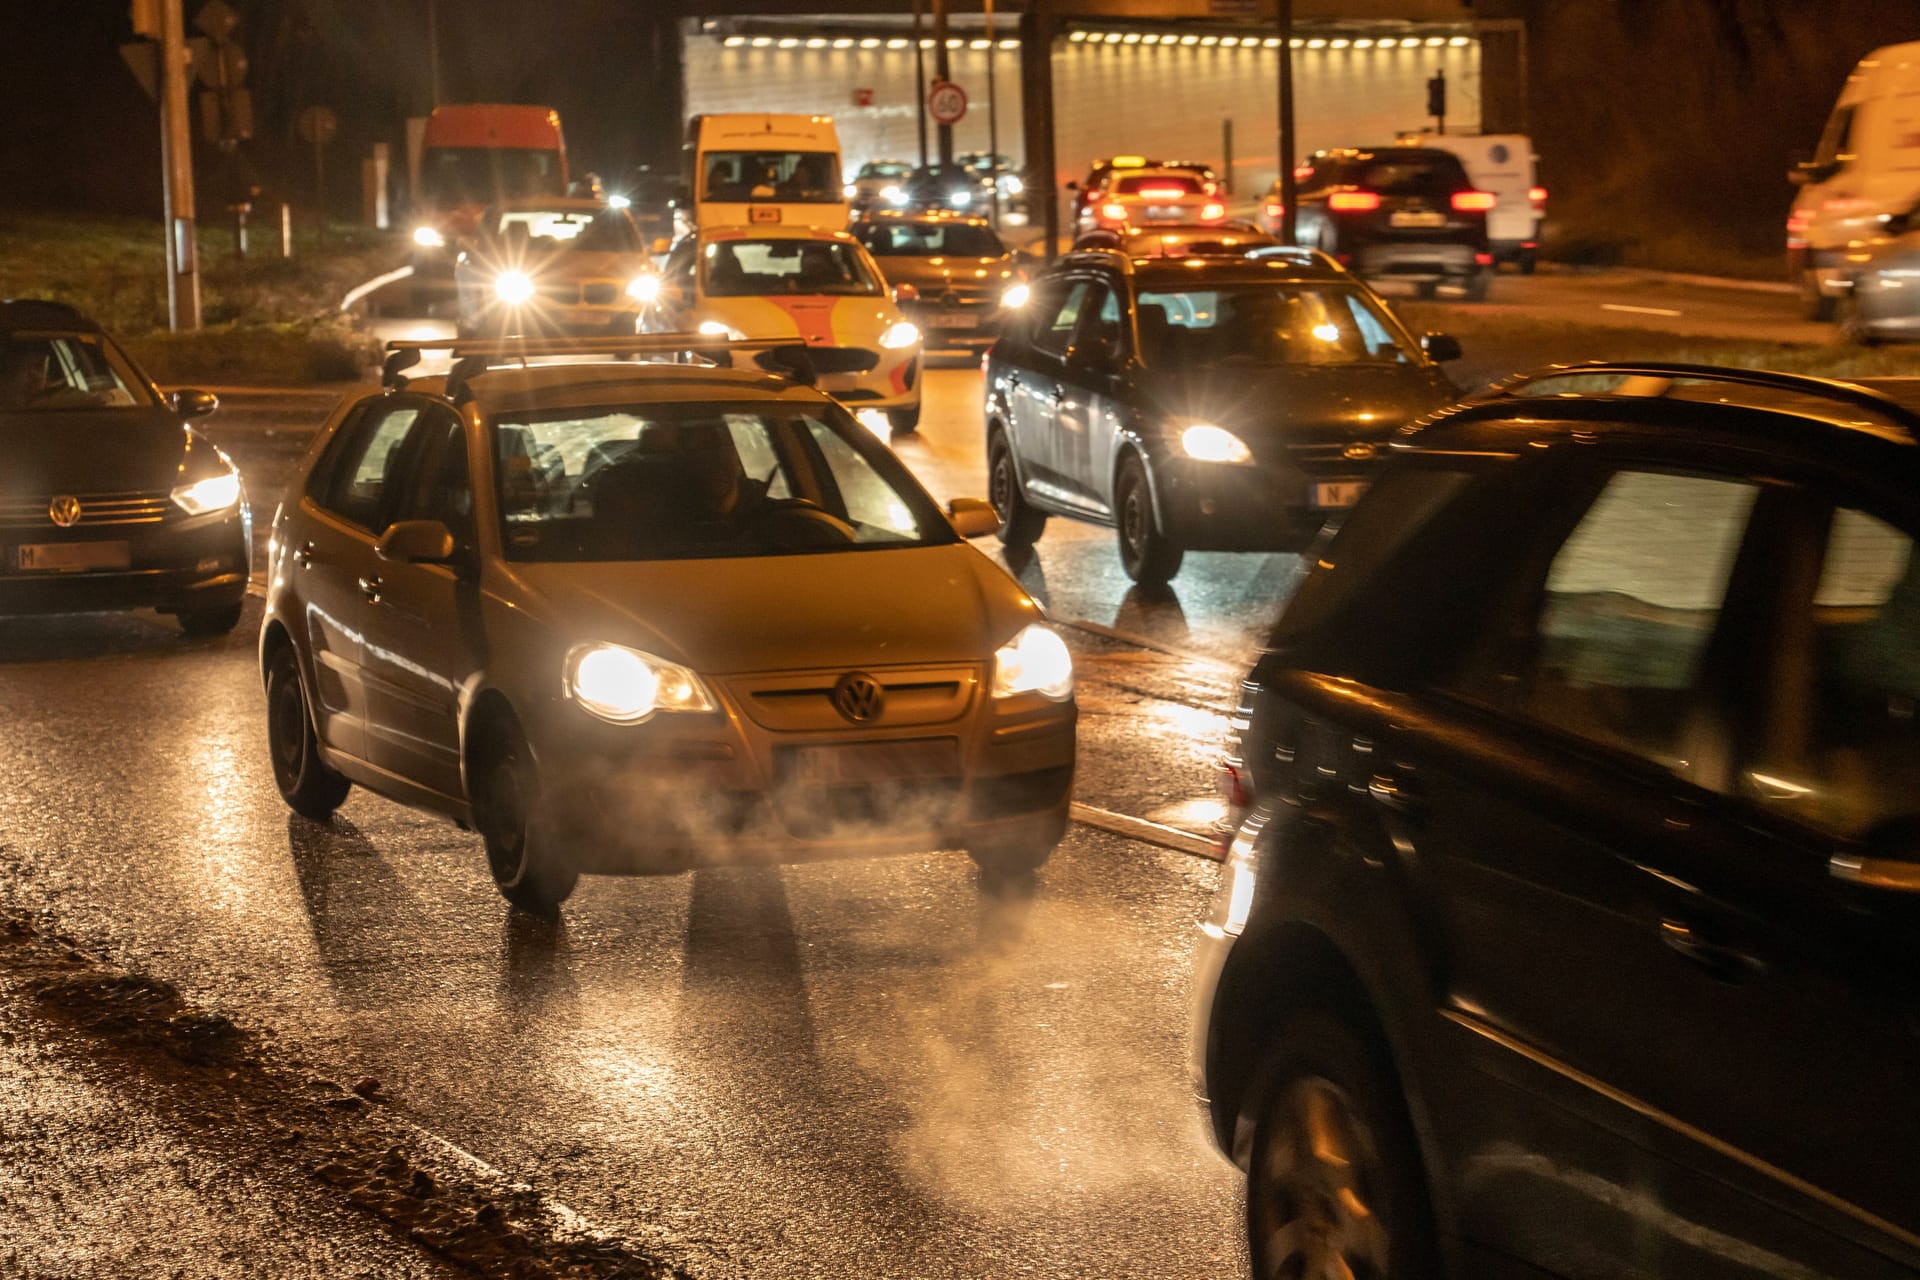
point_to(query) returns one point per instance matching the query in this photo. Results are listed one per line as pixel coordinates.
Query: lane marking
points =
(1147, 642)
(1640, 311)
(359, 291)
(1155, 833)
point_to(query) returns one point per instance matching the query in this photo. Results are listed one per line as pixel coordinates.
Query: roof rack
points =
(1300, 253)
(474, 356)
(1850, 393)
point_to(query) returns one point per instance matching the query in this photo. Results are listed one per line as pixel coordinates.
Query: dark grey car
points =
(1884, 305)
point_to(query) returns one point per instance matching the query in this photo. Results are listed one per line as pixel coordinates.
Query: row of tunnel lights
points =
(1109, 37)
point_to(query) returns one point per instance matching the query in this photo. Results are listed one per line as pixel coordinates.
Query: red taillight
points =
(1539, 197)
(1163, 193)
(1483, 259)
(1213, 211)
(1472, 201)
(1210, 188)
(1303, 171)
(1354, 201)
(1233, 788)
(1275, 209)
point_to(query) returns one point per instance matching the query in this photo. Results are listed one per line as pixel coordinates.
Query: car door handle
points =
(302, 555)
(370, 588)
(1729, 964)
(1059, 397)
(1013, 382)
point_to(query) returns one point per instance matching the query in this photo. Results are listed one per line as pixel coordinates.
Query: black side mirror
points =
(1072, 185)
(190, 403)
(416, 542)
(1440, 347)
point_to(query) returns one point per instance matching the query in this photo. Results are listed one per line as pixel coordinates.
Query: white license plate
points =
(1419, 220)
(1166, 213)
(957, 320)
(863, 762)
(1338, 493)
(71, 557)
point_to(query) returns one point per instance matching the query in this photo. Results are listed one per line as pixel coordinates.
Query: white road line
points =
(1157, 833)
(360, 291)
(1146, 642)
(1640, 311)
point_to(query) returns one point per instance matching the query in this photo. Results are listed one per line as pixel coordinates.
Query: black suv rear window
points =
(1413, 175)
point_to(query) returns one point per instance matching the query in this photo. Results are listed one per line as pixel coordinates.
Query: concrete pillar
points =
(1036, 92)
(664, 83)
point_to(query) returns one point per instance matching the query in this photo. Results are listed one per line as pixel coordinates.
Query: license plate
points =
(1166, 213)
(1419, 220)
(764, 213)
(864, 762)
(1338, 493)
(71, 557)
(957, 320)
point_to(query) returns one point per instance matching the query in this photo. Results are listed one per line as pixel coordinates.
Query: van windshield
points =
(786, 177)
(487, 175)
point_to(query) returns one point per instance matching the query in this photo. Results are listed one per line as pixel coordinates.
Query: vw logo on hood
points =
(64, 511)
(858, 697)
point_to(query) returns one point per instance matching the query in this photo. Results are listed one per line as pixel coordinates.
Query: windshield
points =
(1266, 324)
(608, 231)
(794, 177)
(888, 169)
(482, 175)
(751, 268)
(928, 239)
(41, 372)
(703, 481)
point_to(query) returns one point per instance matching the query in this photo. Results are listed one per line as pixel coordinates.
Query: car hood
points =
(1302, 404)
(81, 451)
(837, 611)
(572, 264)
(939, 272)
(820, 320)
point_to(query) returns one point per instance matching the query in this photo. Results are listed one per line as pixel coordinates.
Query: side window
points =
(1053, 331)
(1860, 762)
(1624, 617)
(1836, 140)
(370, 455)
(445, 492)
(869, 503)
(1102, 318)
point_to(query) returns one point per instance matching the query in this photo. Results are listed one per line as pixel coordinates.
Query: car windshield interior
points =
(41, 372)
(795, 176)
(608, 231)
(481, 175)
(751, 268)
(1264, 324)
(930, 239)
(707, 481)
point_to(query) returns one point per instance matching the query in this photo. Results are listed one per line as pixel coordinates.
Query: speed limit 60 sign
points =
(946, 102)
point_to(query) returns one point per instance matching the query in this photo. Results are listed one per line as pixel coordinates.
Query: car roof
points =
(515, 388)
(40, 315)
(1394, 151)
(773, 231)
(1262, 264)
(941, 217)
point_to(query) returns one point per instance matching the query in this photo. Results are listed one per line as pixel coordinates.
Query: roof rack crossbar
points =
(1827, 388)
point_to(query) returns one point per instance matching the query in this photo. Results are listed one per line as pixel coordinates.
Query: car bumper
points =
(893, 383)
(197, 563)
(685, 791)
(946, 328)
(1429, 260)
(1210, 506)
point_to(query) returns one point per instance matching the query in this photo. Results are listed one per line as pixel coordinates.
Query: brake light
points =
(1162, 193)
(1539, 197)
(1275, 209)
(1114, 212)
(1353, 201)
(1212, 211)
(1233, 788)
(1483, 259)
(1472, 201)
(1303, 171)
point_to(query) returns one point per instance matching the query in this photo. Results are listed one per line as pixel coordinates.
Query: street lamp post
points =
(1284, 11)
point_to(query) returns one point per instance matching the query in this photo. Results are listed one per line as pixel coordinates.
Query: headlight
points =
(618, 202)
(903, 333)
(850, 191)
(428, 238)
(1012, 185)
(626, 686)
(513, 287)
(1212, 211)
(719, 329)
(961, 199)
(1016, 295)
(1035, 661)
(644, 288)
(1209, 443)
(215, 493)
(893, 195)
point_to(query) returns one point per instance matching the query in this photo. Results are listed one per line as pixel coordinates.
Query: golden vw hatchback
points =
(634, 618)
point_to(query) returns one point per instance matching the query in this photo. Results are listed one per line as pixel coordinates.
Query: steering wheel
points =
(801, 522)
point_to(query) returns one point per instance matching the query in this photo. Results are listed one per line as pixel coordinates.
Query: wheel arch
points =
(489, 707)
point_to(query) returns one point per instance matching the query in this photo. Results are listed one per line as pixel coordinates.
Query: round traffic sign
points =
(946, 102)
(317, 125)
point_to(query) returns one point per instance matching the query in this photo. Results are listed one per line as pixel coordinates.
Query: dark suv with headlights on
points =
(1399, 213)
(1205, 404)
(108, 500)
(1571, 917)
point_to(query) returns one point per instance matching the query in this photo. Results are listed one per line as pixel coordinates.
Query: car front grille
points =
(97, 510)
(823, 360)
(597, 293)
(804, 702)
(1338, 457)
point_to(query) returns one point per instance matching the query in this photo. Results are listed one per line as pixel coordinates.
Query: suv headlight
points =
(626, 686)
(644, 288)
(429, 238)
(903, 333)
(1035, 661)
(215, 493)
(1016, 296)
(720, 329)
(1207, 443)
(513, 287)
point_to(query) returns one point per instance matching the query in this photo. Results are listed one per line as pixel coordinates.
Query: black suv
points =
(1571, 917)
(1218, 404)
(1403, 213)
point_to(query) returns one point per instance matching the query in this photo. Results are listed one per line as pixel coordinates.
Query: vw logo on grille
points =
(64, 511)
(858, 697)
(1359, 451)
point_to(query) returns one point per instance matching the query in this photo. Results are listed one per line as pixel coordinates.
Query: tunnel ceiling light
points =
(1209, 40)
(734, 42)
(817, 42)
(1273, 42)
(843, 43)
(1112, 37)
(1009, 44)
(979, 44)
(1363, 43)
(1389, 43)
(1189, 39)
(898, 42)
(871, 42)
(789, 42)
(1230, 42)
(1460, 42)
(1132, 37)
(1076, 36)
(1316, 43)
(1339, 43)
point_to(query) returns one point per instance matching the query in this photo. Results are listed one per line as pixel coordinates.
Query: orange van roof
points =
(491, 124)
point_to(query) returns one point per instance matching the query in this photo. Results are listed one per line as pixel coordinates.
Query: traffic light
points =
(1437, 96)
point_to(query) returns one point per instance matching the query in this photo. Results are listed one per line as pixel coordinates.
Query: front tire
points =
(1335, 1185)
(1814, 305)
(522, 852)
(1147, 553)
(903, 422)
(1853, 327)
(217, 621)
(1476, 285)
(1020, 525)
(307, 783)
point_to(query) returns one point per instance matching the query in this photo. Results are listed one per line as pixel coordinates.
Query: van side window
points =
(1836, 143)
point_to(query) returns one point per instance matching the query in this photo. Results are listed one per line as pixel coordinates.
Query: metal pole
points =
(943, 72)
(1287, 182)
(993, 119)
(920, 82)
(176, 154)
(433, 53)
(1036, 83)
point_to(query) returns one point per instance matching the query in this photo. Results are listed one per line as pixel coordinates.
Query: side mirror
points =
(1886, 858)
(1807, 172)
(1072, 185)
(416, 542)
(905, 293)
(973, 517)
(190, 403)
(1440, 347)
